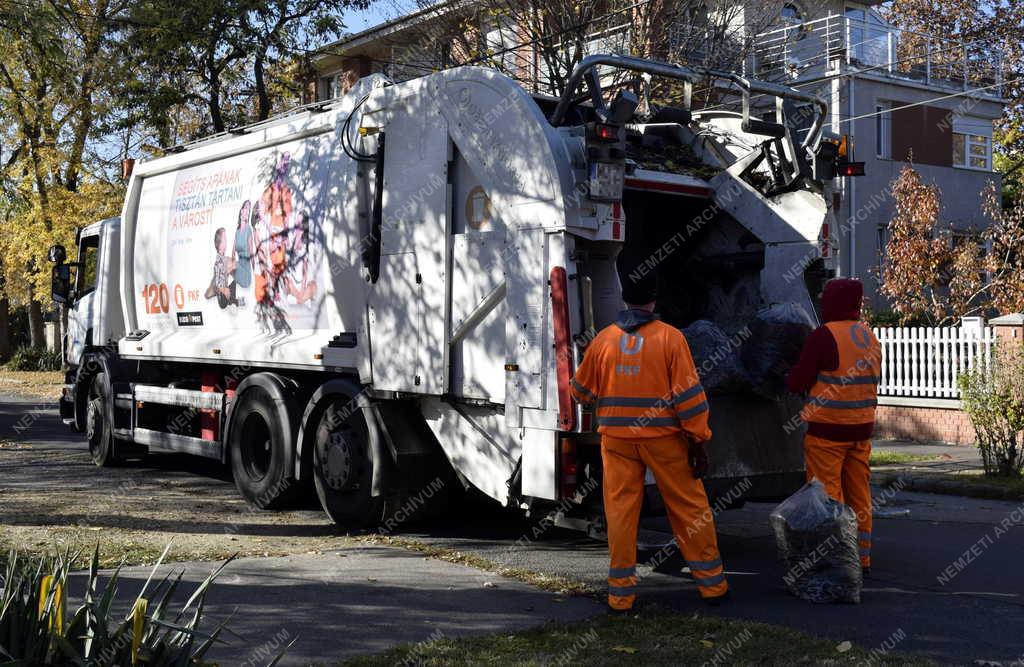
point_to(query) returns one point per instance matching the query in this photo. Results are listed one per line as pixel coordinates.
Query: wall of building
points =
(872, 206)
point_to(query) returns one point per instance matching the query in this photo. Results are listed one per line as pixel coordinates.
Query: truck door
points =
(81, 314)
(407, 305)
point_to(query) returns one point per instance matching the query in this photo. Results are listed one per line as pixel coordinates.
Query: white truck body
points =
(247, 255)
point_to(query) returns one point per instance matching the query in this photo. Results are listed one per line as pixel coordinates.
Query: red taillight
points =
(567, 468)
(606, 132)
(851, 169)
(826, 247)
(563, 349)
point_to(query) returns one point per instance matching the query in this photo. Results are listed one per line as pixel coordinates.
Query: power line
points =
(917, 104)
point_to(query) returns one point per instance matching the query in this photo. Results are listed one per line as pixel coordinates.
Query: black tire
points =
(343, 466)
(259, 450)
(99, 419)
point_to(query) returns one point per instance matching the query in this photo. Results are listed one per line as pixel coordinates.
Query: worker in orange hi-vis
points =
(652, 413)
(839, 370)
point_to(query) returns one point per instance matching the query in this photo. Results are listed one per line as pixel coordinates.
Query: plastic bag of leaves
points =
(717, 358)
(817, 540)
(777, 335)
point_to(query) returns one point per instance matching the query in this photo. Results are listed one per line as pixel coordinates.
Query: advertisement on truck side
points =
(235, 244)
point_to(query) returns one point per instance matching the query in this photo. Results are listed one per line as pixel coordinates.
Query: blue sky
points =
(377, 13)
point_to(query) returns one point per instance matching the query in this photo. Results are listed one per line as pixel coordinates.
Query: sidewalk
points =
(951, 470)
(356, 601)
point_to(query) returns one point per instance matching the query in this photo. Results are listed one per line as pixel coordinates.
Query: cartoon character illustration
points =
(221, 286)
(301, 285)
(244, 246)
(285, 250)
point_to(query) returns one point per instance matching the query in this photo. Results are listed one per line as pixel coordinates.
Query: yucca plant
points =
(35, 629)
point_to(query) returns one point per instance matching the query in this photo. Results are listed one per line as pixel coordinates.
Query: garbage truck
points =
(389, 291)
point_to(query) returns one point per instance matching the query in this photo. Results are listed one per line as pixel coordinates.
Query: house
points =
(897, 96)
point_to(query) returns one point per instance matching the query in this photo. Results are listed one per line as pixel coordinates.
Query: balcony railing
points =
(834, 43)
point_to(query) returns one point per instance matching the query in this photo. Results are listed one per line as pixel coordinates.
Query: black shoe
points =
(718, 600)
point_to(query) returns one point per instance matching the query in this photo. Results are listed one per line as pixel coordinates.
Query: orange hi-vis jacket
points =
(847, 395)
(641, 378)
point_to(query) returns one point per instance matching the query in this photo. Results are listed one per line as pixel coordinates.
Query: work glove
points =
(698, 460)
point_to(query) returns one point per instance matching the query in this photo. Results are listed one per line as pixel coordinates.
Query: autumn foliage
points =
(935, 274)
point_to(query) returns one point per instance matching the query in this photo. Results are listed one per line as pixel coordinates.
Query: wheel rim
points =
(339, 464)
(256, 446)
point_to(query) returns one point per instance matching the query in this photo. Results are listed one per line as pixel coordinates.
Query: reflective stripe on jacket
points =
(847, 395)
(642, 383)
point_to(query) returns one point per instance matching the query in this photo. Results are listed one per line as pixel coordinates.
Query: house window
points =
(500, 42)
(883, 130)
(871, 39)
(972, 151)
(972, 143)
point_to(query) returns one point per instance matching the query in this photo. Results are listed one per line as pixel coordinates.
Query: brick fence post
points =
(1009, 328)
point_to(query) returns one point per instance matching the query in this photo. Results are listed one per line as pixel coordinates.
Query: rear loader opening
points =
(706, 264)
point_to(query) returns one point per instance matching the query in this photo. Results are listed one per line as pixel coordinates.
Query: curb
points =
(945, 486)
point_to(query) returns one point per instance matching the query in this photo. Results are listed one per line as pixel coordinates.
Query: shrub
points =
(36, 630)
(993, 397)
(27, 358)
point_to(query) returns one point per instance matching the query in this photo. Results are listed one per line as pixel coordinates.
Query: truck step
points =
(161, 441)
(188, 398)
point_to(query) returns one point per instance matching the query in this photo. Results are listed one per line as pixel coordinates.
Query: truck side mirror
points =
(57, 254)
(60, 283)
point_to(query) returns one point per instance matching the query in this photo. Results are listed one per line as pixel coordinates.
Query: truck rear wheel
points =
(99, 431)
(343, 467)
(258, 447)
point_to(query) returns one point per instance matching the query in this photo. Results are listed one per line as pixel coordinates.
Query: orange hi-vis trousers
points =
(843, 468)
(685, 500)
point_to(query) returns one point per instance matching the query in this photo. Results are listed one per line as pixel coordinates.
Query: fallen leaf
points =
(706, 644)
(844, 647)
(624, 649)
(371, 580)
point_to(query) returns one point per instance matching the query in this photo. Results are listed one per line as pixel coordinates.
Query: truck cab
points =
(89, 290)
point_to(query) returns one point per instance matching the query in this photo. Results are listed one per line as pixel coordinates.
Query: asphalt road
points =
(947, 581)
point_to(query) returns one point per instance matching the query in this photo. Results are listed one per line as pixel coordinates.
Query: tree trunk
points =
(36, 331)
(5, 328)
(212, 75)
(261, 86)
(214, 105)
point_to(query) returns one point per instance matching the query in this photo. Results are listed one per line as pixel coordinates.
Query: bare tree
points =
(540, 43)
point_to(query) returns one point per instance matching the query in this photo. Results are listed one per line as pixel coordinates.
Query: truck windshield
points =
(88, 251)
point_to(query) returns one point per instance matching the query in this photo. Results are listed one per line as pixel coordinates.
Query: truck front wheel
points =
(99, 432)
(258, 446)
(343, 466)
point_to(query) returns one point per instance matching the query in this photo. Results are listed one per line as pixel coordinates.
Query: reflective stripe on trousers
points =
(686, 503)
(843, 468)
(621, 587)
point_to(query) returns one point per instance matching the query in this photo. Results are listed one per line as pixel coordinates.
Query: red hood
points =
(841, 300)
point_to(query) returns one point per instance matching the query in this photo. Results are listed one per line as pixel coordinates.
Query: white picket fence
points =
(925, 361)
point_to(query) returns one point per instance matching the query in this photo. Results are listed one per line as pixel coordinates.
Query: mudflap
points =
(418, 462)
